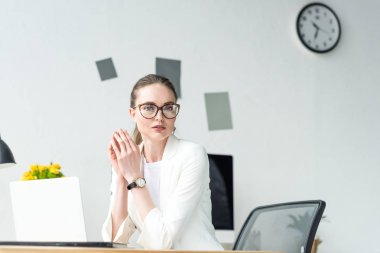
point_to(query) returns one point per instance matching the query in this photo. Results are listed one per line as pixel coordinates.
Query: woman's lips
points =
(159, 128)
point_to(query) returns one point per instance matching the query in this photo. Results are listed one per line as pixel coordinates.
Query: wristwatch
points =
(138, 182)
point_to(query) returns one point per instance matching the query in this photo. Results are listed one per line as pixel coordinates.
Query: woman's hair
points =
(143, 82)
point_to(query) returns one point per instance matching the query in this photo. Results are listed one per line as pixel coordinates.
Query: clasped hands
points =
(125, 156)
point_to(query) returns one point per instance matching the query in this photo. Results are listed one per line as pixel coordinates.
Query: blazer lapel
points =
(167, 167)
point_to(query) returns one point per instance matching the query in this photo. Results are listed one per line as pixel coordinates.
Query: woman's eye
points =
(149, 108)
(168, 108)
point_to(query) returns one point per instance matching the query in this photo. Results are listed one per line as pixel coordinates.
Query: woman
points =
(160, 184)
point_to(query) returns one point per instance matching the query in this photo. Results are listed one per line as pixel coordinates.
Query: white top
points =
(152, 177)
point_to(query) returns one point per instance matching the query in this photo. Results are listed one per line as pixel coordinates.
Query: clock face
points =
(318, 27)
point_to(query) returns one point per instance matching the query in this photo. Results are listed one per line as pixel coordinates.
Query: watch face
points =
(318, 27)
(140, 182)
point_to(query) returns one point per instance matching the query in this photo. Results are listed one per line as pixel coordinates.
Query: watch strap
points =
(131, 185)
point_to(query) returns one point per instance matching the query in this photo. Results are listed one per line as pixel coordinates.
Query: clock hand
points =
(316, 34)
(317, 30)
(324, 31)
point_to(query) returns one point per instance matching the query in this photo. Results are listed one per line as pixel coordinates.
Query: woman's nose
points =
(159, 115)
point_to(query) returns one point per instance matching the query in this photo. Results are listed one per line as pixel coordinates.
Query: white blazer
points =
(184, 219)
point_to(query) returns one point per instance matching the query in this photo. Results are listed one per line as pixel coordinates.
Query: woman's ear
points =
(132, 113)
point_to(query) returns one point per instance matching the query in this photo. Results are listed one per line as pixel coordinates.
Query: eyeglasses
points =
(150, 111)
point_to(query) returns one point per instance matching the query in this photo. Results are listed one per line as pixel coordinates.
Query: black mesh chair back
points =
(286, 227)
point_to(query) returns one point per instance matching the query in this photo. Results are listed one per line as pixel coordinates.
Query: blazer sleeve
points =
(160, 229)
(127, 228)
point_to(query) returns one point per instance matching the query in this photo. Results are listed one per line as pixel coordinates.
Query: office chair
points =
(285, 227)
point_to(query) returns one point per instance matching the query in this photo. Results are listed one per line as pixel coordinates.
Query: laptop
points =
(48, 210)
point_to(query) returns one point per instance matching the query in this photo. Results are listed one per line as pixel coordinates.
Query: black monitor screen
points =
(221, 186)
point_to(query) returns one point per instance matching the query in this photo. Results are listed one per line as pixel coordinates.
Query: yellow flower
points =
(54, 171)
(27, 176)
(42, 167)
(56, 166)
(33, 167)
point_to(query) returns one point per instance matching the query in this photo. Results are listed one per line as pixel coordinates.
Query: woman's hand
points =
(126, 155)
(113, 159)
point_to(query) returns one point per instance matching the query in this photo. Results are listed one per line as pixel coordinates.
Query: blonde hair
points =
(143, 82)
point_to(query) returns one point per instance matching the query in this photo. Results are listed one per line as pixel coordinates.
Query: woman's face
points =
(158, 128)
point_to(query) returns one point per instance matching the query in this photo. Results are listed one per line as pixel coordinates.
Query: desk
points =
(28, 249)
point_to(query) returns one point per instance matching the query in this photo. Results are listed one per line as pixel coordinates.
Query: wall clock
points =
(318, 27)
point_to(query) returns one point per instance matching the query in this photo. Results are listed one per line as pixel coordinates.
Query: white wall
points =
(306, 126)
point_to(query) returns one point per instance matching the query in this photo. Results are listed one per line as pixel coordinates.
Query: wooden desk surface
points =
(22, 249)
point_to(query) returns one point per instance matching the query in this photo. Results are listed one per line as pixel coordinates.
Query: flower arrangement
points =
(42, 172)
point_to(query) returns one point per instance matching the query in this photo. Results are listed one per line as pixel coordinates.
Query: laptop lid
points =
(48, 210)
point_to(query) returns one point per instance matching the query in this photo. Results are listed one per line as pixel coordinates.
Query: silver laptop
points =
(48, 210)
